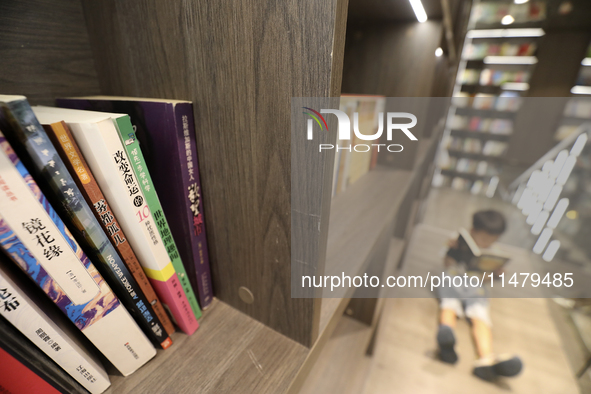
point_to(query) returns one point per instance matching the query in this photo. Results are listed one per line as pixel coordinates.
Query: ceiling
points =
(391, 10)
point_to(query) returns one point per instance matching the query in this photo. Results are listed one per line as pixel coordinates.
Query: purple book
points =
(166, 132)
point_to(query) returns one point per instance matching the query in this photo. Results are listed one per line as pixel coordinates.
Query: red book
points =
(16, 378)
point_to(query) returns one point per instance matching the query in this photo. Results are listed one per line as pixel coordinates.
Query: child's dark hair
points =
(490, 221)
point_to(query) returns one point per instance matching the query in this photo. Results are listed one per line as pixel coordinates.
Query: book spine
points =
(142, 307)
(21, 312)
(110, 165)
(17, 378)
(38, 240)
(193, 200)
(131, 144)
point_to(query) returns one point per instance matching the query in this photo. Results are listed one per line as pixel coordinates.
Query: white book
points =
(49, 331)
(37, 239)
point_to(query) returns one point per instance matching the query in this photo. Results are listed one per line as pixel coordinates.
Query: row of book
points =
(102, 210)
(351, 164)
(481, 124)
(507, 101)
(489, 12)
(480, 50)
(475, 145)
(475, 187)
(468, 166)
(578, 108)
(490, 77)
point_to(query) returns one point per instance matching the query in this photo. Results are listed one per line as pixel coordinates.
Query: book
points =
(166, 134)
(38, 241)
(35, 149)
(134, 153)
(29, 312)
(66, 146)
(98, 139)
(23, 367)
(476, 258)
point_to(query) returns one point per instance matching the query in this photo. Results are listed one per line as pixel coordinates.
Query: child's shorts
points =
(472, 308)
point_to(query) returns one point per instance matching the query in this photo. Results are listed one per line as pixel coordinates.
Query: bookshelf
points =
(240, 64)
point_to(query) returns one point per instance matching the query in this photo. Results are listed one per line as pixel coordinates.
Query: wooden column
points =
(240, 63)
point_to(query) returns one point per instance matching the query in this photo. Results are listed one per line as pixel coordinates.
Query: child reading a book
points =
(463, 256)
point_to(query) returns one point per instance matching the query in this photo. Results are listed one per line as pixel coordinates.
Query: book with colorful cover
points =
(163, 125)
(45, 327)
(64, 143)
(36, 239)
(134, 153)
(35, 149)
(98, 139)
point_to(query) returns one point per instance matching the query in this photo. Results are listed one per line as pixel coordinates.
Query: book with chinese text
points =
(68, 150)
(30, 141)
(45, 327)
(98, 140)
(37, 240)
(166, 133)
(476, 258)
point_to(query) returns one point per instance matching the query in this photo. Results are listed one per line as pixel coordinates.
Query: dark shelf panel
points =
(467, 175)
(475, 156)
(477, 88)
(485, 113)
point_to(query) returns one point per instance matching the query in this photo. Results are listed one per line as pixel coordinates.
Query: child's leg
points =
(488, 366)
(482, 337)
(451, 308)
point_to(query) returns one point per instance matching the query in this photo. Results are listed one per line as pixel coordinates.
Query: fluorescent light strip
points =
(499, 33)
(551, 250)
(558, 213)
(553, 197)
(579, 89)
(510, 60)
(586, 61)
(579, 145)
(533, 213)
(542, 241)
(558, 163)
(540, 222)
(525, 198)
(417, 7)
(492, 186)
(567, 168)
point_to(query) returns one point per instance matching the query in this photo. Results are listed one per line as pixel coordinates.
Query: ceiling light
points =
(417, 7)
(581, 89)
(586, 61)
(520, 1)
(551, 250)
(507, 20)
(438, 52)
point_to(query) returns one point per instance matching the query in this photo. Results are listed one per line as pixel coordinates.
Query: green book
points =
(132, 146)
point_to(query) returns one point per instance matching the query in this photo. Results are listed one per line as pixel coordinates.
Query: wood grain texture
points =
(44, 51)
(240, 63)
(230, 353)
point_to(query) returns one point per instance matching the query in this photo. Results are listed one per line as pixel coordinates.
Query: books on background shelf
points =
(480, 50)
(97, 136)
(491, 12)
(167, 125)
(506, 102)
(492, 77)
(45, 327)
(36, 239)
(351, 165)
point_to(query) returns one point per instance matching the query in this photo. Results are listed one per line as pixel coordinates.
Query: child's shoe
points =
(490, 368)
(446, 341)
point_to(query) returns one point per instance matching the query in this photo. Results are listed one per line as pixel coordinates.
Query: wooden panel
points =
(230, 353)
(240, 63)
(44, 51)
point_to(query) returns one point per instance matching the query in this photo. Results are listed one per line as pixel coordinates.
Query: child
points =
(487, 226)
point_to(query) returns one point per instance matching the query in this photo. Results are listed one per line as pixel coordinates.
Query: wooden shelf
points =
(467, 175)
(480, 135)
(229, 353)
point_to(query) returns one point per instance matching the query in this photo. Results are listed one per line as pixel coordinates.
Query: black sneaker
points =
(491, 368)
(446, 341)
